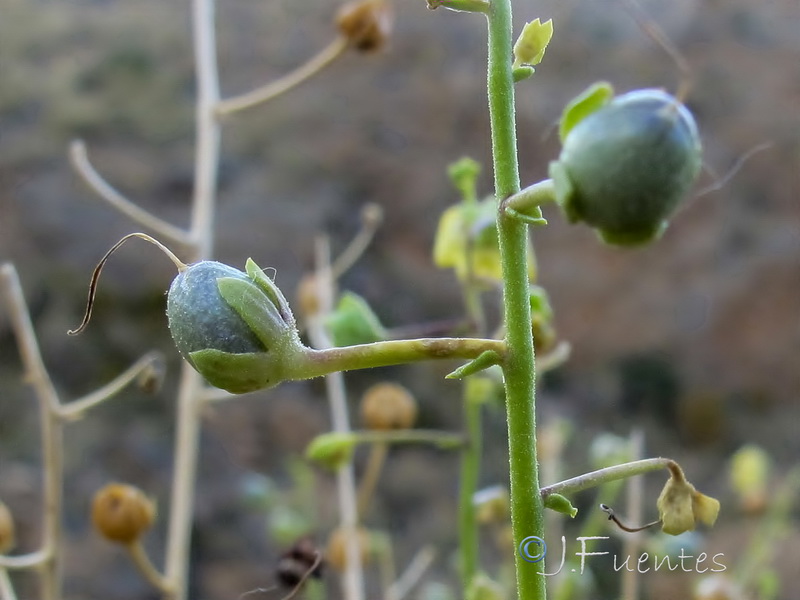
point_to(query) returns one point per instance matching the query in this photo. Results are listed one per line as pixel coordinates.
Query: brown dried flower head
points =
(7, 532)
(122, 513)
(366, 24)
(387, 406)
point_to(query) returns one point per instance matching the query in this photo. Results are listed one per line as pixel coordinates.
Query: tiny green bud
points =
(332, 449)
(625, 167)
(532, 42)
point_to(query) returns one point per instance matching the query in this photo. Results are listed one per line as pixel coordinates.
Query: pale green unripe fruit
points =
(625, 168)
(235, 328)
(200, 318)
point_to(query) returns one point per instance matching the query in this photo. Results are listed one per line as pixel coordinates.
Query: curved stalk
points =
(315, 363)
(202, 238)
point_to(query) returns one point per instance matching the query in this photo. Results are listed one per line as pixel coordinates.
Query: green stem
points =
(623, 471)
(442, 439)
(527, 509)
(470, 470)
(315, 363)
(525, 203)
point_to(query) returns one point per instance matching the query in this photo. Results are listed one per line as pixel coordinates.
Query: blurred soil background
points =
(696, 338)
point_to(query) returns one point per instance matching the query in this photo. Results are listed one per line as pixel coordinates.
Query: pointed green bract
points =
(487, 359)
(560, 504)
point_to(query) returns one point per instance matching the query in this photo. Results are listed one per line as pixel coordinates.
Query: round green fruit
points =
(626, 167)
(200, 318)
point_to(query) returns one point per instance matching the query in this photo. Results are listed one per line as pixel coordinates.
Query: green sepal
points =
(237, 373)
(486, 359)
(522, 73)
(333, 450)
(268, 286)
(258, 311)
(564, 190)
(560, 504)
(581, 106)
(353, 322)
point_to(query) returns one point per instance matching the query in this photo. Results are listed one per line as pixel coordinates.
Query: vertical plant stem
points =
(337, 397)
(470, 472)
(51, 430)
(635, 504)
(201, 234)
(526, 505)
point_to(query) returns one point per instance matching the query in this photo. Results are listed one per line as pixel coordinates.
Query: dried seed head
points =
(122, 513)
(387, 406)
(366, 24)
(7, 533)
(336, 553)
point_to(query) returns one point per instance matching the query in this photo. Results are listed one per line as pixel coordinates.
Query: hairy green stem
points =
(470, 471)
(527, 509)
(314, 363)
(623, 471)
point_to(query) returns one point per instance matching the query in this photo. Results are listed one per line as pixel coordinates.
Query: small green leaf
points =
(353, 322)
(332, 450)
(581, 106)
(487, 359)
(532, 42)
(560, 504)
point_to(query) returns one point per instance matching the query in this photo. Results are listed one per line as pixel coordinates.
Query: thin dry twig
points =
(83, 167)
(48, 559)
(145, 567)
(76, 409)
(413, 573)
(337, 398)
(276, 88)
(6, 587)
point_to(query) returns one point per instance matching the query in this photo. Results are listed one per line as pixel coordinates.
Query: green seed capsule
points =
(200, 318)
(625, 167)
(234, 328)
